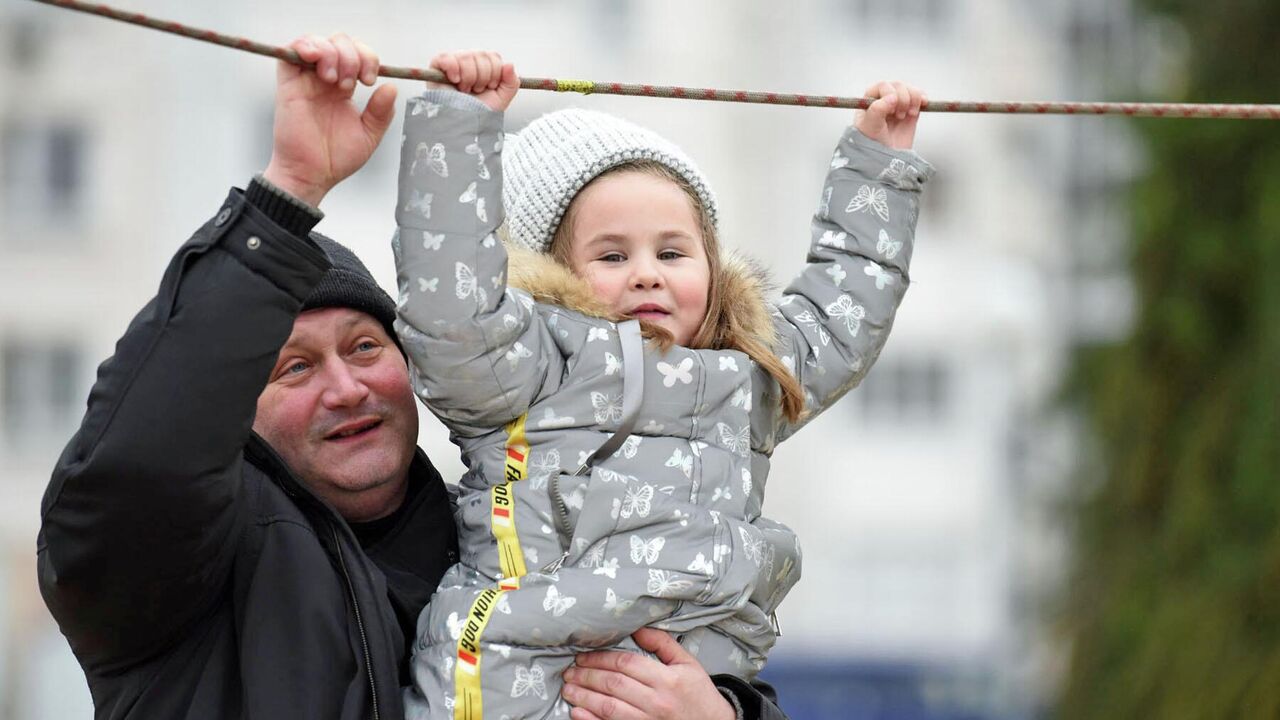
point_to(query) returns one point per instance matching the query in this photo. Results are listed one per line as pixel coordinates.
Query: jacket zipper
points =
(364, 642)
(561, 519)
(293, 488)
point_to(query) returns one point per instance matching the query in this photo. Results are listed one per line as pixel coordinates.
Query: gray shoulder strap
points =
(632, 390)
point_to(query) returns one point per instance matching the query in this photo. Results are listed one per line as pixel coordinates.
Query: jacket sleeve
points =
(751, 701)
(834, 318)
(479, 352)
(139, 521)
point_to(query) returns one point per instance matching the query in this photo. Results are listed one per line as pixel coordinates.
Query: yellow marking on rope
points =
(579, 86)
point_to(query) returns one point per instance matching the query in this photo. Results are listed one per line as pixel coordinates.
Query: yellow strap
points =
(468, 703)
(502, 506)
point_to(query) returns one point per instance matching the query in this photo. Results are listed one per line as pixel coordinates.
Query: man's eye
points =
(295, 368)
(366, 345)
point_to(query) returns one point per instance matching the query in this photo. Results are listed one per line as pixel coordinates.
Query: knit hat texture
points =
(549, 161)
(349, 284)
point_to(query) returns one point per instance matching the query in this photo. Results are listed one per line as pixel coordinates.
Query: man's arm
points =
(140, 517)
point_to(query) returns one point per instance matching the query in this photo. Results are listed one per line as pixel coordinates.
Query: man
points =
(243, 526)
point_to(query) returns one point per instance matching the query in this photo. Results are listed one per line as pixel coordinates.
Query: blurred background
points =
(1056, 493)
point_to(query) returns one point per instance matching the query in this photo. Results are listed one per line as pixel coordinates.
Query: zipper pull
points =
(777, 628)
(551, 567)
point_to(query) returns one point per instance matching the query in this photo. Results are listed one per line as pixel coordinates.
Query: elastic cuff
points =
(285, 210)
(455, 99)
(923, 170)
(733, 700)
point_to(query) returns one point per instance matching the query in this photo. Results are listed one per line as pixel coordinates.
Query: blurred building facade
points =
(924, 500)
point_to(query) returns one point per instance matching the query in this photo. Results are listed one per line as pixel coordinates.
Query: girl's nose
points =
(645, 274)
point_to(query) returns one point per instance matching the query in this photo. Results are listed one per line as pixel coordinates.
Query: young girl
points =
(616, 383)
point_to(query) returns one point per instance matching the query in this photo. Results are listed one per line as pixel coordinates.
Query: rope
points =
(1171, 110)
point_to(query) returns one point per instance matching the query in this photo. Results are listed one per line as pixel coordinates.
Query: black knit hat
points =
(349, 284)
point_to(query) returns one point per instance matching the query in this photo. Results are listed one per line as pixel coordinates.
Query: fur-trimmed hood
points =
(744, 283)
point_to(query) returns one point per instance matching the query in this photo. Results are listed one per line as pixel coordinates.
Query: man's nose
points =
(343, 388)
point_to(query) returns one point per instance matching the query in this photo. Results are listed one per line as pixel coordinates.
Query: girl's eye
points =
(670, 255)
(613, 257)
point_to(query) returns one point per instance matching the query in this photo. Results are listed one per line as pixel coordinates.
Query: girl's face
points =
(636, 239)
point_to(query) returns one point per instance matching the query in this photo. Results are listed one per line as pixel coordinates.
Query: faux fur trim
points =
(744, 284)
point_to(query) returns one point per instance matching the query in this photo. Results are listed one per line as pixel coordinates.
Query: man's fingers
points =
(306, 48)
(327, 60)
(368, 63)
(380, 111)
(663, 645)
(348, 61)
(600, 702)
(646, 671)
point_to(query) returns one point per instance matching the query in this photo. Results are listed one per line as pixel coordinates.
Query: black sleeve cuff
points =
(753, 702)
(285, 210)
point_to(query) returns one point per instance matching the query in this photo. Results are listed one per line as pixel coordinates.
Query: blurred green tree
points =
(1174, 608)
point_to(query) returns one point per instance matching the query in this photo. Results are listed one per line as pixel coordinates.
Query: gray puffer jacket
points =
(611, 486)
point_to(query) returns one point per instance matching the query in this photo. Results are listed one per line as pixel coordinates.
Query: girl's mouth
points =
(648, 311)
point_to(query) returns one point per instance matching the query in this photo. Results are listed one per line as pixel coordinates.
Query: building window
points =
(39, 387)
(905, 390)
(43, 171)
(27, 37)
(927, 16)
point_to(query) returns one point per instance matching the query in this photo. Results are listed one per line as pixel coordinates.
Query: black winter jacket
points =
(193, 575)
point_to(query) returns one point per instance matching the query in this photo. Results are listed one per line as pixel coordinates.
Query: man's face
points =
(340, 411)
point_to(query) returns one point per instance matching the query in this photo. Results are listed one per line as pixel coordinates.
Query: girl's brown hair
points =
(720, 330)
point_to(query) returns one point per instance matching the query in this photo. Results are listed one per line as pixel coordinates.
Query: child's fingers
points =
(510, 80)
(447, 63)
(484, 71)
(368, 63)
(467, 68)
(495, 62)
(917, 100)
(888, 98)
(903, 105)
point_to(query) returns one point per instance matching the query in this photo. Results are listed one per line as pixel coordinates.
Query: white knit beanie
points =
(549, 161)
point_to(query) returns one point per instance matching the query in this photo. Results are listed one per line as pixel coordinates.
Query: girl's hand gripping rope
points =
(480, 73)
(891, 119)
(320, 136)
